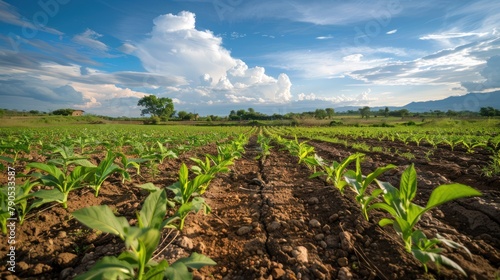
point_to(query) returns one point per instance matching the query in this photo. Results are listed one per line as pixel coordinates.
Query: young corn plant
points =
(98, 174)
(187, 195)
(65, 156)
(493, 168)
(265, 146)
(452, 142)
(417, 138)
(129, 163)
(405, 215)
(359, 184)
(14, 148)
(471, 144)
(141, 241)
(494, 143)
(206, 168)
(23, 203)
(156, 154)
(6, 210)
(334, 173)
(61, 182)
(304, 151)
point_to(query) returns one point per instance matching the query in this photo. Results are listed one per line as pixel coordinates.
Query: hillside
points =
(469, 102)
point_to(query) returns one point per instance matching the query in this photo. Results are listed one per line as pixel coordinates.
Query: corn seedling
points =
(417, 139)
(405, 215)
(7, 208)
(15, 149)
(408, 155)
(141, 241)
(98, 174)
(359, 184)
(471, 144)
(184, 190)
(128, 163)
(206, 168)
(493, 168)
(62, 183)
(64, 156)
(157, 156)
(452, 142)
(22, 195)
(265, 146)
(334, 173)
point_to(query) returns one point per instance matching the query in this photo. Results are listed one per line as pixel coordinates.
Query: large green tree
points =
(330, 112)
(320, 114)
(157, 107)
(365, 112)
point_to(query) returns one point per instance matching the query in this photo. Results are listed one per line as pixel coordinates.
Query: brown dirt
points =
(270, 221)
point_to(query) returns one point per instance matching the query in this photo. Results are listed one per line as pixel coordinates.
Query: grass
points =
(37, 121)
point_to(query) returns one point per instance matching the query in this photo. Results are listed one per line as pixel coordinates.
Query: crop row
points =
(17, 145)
(398, 203)
(142, 240)
(375, 140)
(452, 138)
(65, 170)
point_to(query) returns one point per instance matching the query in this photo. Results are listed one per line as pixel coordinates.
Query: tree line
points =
(162, 109)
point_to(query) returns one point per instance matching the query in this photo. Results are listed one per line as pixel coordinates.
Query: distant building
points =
(77, 113)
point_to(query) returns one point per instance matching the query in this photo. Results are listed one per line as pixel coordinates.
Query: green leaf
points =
(183, 173)
(384, 206)
(178, 271)
(83, 162)
(150, 240)
(317, 174)
(154, 209)
(408, 185)
(157, 272)
(453, 244)
(129, 257)
(102, 218)
(149, 187)
(108, 268)
(372, 176)
(49, 195)
(7, 159)
(177, 190)
(425, 257)
(391, 194)
(51, 169)
(197, 261)
(51, 198)
(445, 193)
(385, 222)
(413, 213)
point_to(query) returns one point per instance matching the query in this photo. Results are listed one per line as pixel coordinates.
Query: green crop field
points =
(139, 186)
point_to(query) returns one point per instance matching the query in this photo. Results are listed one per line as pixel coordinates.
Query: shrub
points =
(152, 120)
(336, 123)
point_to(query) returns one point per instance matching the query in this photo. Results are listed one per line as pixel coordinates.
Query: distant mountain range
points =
(469, 102)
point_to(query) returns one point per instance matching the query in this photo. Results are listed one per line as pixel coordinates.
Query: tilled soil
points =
(270, 221)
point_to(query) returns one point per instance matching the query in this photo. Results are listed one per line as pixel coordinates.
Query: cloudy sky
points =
(211, 56)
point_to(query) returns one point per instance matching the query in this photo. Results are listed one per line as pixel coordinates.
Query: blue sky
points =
(212, 56)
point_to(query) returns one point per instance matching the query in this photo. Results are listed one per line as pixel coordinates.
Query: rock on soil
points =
(344, 274)
(346, 241)
(186, 242)
(314, 223)
(244, 230)
(66, 259)
(300, 254)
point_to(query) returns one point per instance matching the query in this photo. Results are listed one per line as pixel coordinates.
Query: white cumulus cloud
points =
(176, 48)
